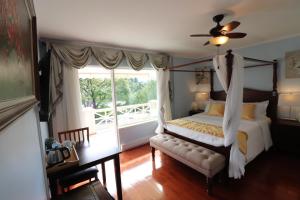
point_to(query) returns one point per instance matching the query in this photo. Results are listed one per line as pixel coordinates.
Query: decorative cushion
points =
(216, 109)
(248, 111)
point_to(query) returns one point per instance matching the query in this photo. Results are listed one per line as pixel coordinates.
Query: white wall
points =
(275, 50)
(21, 169)
(136, 135)
(183, 87)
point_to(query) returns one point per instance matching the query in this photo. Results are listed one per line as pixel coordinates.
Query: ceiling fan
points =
(220, 34)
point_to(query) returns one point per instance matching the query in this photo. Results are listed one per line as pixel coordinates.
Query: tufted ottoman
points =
(197, 157)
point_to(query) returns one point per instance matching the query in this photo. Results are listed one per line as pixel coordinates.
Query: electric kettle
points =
(57, 155)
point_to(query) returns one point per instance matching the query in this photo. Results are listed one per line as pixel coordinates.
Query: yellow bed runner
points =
(211, 130)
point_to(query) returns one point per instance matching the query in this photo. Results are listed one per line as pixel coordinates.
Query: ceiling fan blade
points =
(236, 35)
(200, 35)
(230, 26)
(206, 43)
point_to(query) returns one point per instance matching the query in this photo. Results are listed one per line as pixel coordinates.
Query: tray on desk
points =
(70, 162)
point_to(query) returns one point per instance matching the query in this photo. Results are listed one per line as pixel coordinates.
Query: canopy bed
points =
(248, 95)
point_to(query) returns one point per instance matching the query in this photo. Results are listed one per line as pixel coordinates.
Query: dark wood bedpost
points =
(229, 63)
(275, 76)
(211, 82)
(274, 92)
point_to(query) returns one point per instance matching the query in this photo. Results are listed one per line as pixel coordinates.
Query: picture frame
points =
(18, 60)
(202, 75)
(292, 64)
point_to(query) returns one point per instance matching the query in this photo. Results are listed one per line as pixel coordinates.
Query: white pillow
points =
(260, 109)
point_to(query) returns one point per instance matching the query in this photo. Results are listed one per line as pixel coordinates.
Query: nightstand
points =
(287, 135)
(193, 112)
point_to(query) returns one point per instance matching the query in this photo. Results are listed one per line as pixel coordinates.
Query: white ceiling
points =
(165, 25)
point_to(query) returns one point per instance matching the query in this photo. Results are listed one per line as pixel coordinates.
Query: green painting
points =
(16, 61)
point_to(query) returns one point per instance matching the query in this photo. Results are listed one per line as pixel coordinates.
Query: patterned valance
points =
(78, 57)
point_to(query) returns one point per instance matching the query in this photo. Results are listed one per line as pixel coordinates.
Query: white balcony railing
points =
(103, 118)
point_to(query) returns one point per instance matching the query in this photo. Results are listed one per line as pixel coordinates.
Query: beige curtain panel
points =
(108, 58)
(71, 56)
(136, 60)
(56, 81)
(159, 61)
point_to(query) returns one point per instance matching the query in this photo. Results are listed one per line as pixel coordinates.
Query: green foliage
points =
(96, 93)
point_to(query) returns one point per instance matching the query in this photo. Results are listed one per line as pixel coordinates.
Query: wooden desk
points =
(90, 154)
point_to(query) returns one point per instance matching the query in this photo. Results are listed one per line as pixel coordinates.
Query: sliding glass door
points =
(135, 96)
(114, 99)
(96, 87)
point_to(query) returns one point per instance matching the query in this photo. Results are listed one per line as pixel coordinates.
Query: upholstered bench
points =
(197, 157)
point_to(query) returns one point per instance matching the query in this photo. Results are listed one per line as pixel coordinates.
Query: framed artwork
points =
(202, 75)
(18, 59)
(292, 64)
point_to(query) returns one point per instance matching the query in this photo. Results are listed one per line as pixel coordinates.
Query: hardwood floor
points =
(273, 175)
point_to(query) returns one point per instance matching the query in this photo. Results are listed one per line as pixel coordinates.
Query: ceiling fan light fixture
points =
(219, 40)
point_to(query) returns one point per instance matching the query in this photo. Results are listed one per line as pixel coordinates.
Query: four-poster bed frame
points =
(249, 95)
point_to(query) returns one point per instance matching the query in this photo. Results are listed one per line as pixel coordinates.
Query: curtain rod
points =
(266, 62)
(187, 64)
(97, 44)
(258, 60)
(248, 66)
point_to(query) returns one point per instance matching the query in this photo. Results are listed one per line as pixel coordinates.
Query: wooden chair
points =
(77, 136)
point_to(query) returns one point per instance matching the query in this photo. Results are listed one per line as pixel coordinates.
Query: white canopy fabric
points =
(233, 108)
(163, 99)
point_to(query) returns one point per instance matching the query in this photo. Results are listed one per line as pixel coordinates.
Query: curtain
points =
(108, 58)
(56, 82)
(65, 103)
(163, 99)
(65, 92)
(233, 108)
(159, 61)
(136, 60)
(73, 56)
(68, 113)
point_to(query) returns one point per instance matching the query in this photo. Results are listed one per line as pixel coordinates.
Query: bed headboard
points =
(250, 95)
(253, 95)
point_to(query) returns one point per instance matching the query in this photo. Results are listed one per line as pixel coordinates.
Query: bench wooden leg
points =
(153, 153)
(209, 185)
(223, 176)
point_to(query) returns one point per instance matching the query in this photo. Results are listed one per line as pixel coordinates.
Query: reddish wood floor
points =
(273, 175)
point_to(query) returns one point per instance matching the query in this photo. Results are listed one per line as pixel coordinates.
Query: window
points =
(135, 93)
(135, 96)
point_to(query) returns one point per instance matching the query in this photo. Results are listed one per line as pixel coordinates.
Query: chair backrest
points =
(76, 135)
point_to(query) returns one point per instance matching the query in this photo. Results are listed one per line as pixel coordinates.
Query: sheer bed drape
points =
(163, 99)
(233, 108)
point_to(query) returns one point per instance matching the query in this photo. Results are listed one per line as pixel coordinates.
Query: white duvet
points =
(259, 137)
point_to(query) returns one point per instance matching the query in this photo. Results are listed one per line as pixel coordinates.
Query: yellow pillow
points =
(248, 111)
(216, 109)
